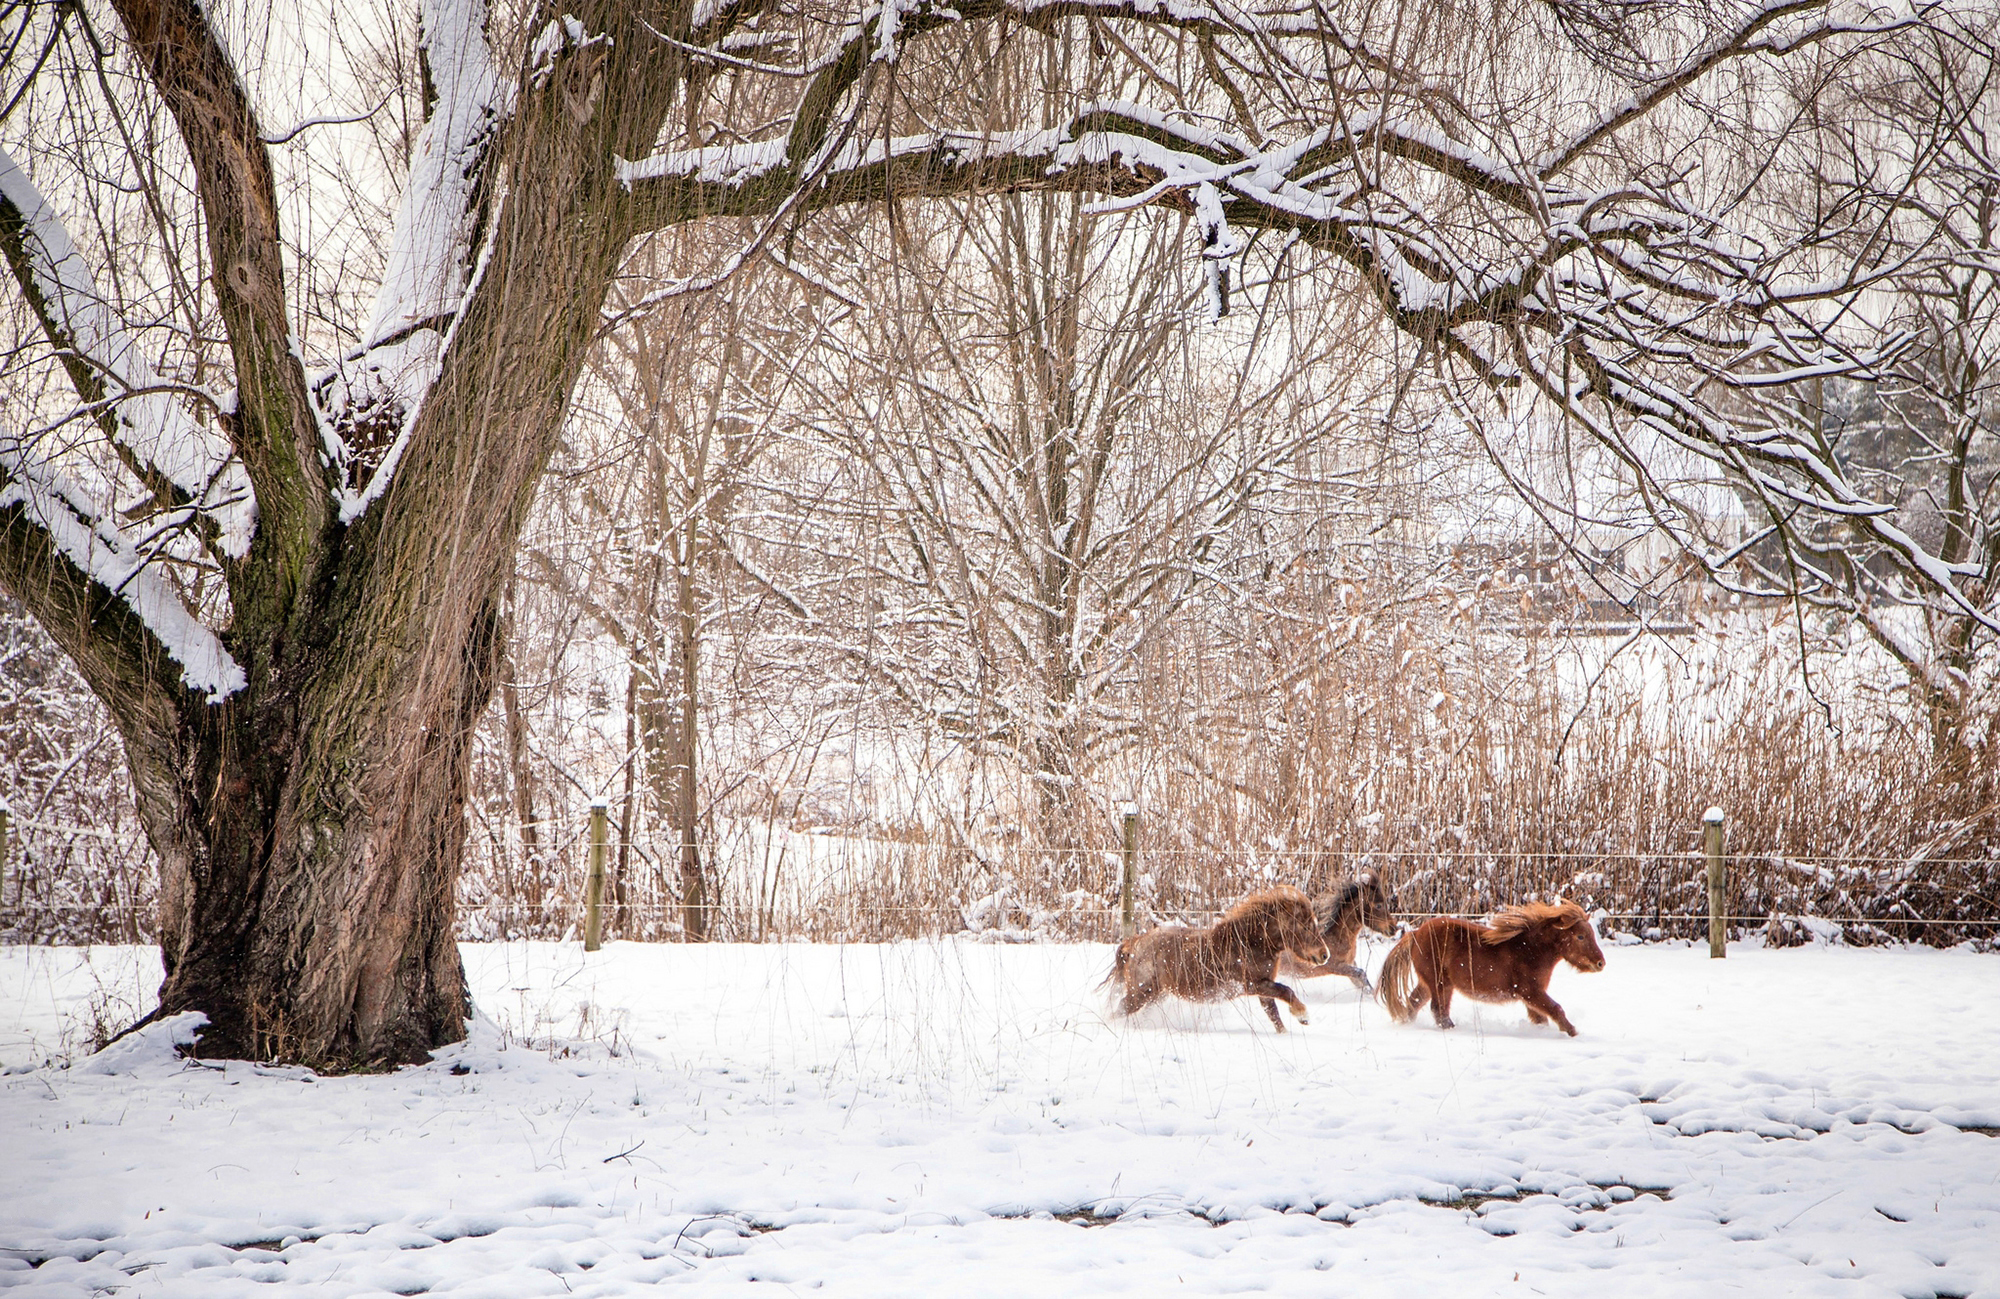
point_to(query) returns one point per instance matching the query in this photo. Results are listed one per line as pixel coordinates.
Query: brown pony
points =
(1341, 914)
(1234, 957)
(1511, 960)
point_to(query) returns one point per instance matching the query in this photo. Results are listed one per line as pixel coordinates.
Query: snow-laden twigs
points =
(102, 353)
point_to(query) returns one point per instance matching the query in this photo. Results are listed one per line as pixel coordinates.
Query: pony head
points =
(1374, 902)
(1565, 926)
(1577, 940)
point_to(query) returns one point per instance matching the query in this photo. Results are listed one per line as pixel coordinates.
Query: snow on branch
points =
(122, 564)
(558, 35)
(431, 268)
(1219, 244)
(1678, 317)
(429, 254)
(147, 421)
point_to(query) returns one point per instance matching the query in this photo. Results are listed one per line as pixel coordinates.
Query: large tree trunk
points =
(310, 916)
(311, 825)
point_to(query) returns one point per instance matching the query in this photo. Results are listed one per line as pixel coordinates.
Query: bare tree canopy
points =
(273, 518)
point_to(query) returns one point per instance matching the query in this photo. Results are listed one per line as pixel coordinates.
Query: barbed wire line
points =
(577, 830)
(573, 912)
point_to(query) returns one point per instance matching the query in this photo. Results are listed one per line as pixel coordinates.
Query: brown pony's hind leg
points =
(1138, 996)
(1441, 1005)
(1536, 1016)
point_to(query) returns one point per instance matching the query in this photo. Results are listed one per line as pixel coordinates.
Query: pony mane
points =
(1264, 903)
(1512, 922)
(1329, 907)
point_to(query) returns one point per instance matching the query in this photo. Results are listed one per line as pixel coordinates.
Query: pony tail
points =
(1397, 978)
(1118, 962)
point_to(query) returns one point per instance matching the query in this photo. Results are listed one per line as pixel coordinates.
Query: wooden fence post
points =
(1718, 893)
(1127, 925)
(593, 887)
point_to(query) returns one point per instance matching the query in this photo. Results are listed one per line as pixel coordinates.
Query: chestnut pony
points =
(1510, 960)
(1235, 957)
(1342, 913)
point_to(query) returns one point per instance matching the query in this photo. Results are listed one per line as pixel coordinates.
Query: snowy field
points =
(964, 1119)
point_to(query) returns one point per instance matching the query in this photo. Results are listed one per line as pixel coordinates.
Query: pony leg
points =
(1538, 999)
(1267, 989)
(1355, 973)
(1441, 1005)
(1138, 996)
(1536, 1016)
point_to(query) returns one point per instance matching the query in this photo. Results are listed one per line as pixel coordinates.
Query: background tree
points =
(1929, 432)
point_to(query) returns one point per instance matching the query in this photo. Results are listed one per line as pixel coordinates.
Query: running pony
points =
(1235, 957)
(1510, 960)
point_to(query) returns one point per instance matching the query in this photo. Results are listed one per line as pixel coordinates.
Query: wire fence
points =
(770, 883)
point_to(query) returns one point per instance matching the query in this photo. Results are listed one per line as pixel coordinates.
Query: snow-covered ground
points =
(964, 1119)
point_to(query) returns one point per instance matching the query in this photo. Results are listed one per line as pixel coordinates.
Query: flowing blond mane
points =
(1512, 922)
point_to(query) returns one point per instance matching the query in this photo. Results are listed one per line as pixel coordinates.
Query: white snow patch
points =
(934, 1116)
(150, 1049)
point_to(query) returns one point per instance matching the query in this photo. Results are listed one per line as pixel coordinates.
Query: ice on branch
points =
(85, 536)
(150, 421)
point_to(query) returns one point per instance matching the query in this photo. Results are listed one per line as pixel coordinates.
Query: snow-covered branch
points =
(147, 424)
(432, 265)
(110, 558)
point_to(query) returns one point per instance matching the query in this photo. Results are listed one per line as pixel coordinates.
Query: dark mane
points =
(1531, 917)
(1330, 907)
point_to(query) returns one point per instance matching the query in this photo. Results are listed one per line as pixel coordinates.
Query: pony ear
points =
(1367, 879)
